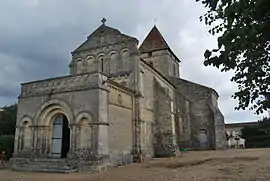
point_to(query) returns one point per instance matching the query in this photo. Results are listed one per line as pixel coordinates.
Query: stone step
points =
(55, 165)
(47, 169)
(49, 160)
(55, 169)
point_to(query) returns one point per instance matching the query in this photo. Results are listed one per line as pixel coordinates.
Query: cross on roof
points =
(103, 21)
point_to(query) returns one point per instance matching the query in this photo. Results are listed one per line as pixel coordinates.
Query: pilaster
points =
(102, 147)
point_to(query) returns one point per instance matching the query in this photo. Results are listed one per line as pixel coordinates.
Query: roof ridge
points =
(101, 31)
(195, 83)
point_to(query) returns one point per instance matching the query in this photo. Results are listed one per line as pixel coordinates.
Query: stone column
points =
(138, 87)
(103, 118)
(46, 140)
(16, 140)
(35, 139)
(32, 141)
(141, 83)
(73, 140)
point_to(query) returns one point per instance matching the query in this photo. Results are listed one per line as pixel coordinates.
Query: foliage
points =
(8, 119)
(249, 131)
(7, 144)
(243, 28)
(7, 128)
(257, 135)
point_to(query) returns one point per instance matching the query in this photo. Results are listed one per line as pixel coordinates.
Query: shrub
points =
(7, 144)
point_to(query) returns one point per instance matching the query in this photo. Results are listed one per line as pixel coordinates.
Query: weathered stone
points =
(118, 105)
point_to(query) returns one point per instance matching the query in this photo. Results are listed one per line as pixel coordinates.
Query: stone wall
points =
(156, 112)
(220, 132)
(59, 85)
(204, 118)
(109, 51)
(41, 100)
(183, 121)
(121, 128)
(202, 126)
(163, 61)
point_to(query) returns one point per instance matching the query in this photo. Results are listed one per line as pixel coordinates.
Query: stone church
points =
(120, 104)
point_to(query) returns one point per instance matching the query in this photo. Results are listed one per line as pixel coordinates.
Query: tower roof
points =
(153, 41)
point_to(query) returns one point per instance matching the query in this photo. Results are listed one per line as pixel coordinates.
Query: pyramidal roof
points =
(153, 41)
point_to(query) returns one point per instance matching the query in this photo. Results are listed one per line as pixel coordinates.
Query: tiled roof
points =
(153, 41)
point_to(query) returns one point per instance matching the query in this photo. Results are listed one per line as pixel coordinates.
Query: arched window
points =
(106, 66)
(101, 63)
(91, 64)
(79, 66)
(114, 63)
(125, 60)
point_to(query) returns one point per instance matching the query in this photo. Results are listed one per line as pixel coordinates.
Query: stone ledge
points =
(100, 163)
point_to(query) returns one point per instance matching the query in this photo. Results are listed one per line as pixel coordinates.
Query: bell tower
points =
(157, 53)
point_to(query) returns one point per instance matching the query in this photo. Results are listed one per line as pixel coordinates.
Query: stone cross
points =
(103, 21)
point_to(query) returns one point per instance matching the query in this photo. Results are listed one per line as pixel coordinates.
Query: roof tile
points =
(153, 41)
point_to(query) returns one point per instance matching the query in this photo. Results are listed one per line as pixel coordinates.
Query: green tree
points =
(7, 144)
(249, 131)
(257, 135)
(8, 119)
(243, 45)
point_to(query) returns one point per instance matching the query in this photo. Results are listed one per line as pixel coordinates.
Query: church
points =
(121, 103)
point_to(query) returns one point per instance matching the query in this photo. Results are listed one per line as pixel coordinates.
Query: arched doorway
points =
(203, 140)
(60, 136)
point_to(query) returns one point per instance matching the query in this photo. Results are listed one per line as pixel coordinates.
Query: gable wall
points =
(202, 119)
(110, 52)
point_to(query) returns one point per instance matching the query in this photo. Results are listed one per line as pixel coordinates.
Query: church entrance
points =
(60, 136)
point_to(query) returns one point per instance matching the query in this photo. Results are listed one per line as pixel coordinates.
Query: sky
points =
(37, 37)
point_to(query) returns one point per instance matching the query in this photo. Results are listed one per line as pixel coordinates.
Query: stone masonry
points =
(119, 104)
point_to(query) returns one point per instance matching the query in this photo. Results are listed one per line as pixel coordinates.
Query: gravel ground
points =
(226, 165)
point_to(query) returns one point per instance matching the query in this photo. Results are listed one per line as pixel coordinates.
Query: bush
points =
(7, 144)
(257, 144)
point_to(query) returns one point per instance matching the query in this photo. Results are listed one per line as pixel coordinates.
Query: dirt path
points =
(228, 165)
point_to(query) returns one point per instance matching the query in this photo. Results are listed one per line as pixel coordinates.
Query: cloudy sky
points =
(37, 36)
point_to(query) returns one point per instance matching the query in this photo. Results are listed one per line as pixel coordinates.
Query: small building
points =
(234, 131)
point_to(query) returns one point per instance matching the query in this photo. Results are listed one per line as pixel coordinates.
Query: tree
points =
(257, 135)
(249, 131)
(7, 144)
(8, 119)
(243, 28)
